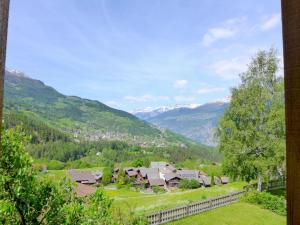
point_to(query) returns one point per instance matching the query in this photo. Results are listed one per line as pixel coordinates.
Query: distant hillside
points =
(197, 123)
(82, 118)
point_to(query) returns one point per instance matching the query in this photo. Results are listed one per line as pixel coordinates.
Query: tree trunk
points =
(259, 183)
(4, 6)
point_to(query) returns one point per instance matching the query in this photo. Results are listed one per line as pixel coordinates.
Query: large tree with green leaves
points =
(252, 132)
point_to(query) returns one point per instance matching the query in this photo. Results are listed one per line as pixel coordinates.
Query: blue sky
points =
(133, 54)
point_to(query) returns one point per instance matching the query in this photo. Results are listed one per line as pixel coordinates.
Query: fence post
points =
(187, 210)
(160, 217)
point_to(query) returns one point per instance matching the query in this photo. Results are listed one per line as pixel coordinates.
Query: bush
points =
(107, 175)
(56, 165)
(267, 201)
(189, 184)
(158, 189)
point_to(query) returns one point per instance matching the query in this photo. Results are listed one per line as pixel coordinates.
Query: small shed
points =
(217, 180)
(224, 180)
(206, 181)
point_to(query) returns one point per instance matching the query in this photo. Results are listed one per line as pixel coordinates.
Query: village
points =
(159, 174)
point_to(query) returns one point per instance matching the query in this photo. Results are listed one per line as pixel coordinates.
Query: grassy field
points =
(149, 202)
(132, 200)
(235, 214)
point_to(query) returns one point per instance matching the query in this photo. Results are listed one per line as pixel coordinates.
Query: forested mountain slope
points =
(80, 118)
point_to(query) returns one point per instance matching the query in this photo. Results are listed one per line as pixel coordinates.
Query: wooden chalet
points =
(85, 177)
(172, 180)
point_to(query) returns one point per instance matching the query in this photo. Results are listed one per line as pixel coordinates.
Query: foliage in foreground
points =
(25, 198)
(267, 201)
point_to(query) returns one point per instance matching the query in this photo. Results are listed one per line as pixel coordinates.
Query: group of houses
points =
(160, 174)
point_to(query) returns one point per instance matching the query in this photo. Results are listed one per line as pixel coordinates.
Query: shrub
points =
(267, 201)
(158, 189)
(194, 184)
(189, 184)
(107, 175)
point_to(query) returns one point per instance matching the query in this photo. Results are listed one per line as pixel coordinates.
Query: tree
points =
(251, 132)
(122, 178)
(26, 198)
(107, 175)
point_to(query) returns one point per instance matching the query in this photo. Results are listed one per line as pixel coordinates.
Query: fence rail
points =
(271, 185)
(169, 215)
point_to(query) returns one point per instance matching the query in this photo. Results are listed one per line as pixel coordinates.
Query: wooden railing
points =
(169, 215)
(271, 185)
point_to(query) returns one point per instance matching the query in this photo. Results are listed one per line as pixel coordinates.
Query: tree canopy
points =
(252, 130)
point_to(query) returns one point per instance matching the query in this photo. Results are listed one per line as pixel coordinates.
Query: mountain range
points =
(78, 117)
(196, 122)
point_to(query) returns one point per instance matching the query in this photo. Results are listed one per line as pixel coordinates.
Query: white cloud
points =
(205, 90)
(227, 29)
(183, 99)
(215, 34)
(271, 22)
(145, 98)
(229, 68)
(180, 84)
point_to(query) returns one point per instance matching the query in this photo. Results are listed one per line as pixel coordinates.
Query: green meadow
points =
(150, 202)
(235, 214)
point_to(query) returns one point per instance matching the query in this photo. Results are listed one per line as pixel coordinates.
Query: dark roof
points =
(151, 171)
(224, 180)
(188, 174)
(206, 180)
(130, 169)
(202, 173)
(172, 168)
(83, 177)
(158, 164)
(83, 190)
(156, 182)
(170, 176)
(98, 175)
(132, 173)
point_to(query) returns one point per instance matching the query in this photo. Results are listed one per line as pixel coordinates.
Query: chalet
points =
(217, 180)
(188, 174)
(149, 173)
(85, 177)
(206, 181)
(202, 173)
(157, 182)
(224, 180)
(172, 180)
(83, 190)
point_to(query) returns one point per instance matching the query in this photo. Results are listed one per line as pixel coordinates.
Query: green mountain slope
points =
(82, 118)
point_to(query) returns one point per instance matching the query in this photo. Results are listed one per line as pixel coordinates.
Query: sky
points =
(135, 54)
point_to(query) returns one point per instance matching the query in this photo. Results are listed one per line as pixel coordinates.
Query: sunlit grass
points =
(235, 214)
(149, 202)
